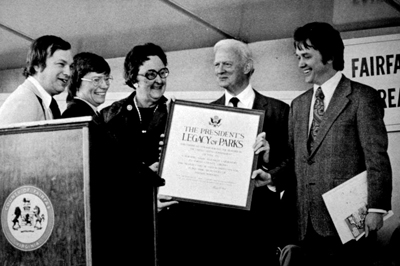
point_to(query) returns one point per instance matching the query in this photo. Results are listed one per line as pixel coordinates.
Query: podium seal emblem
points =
(27, 218)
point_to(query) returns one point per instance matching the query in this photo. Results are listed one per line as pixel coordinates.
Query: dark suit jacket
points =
(265, 206)
(199, 234)
(352, 138)
(275, 125)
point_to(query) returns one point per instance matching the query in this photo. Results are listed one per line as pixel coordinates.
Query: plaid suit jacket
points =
(352, 138)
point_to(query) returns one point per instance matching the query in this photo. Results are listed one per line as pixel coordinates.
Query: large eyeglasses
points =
(152, 74)
(99, 80)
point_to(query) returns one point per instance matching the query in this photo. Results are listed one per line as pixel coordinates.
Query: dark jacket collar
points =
(127, 104)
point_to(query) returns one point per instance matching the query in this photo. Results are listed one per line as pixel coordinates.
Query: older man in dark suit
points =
(336, 131)
(213, 235)
(233, 64)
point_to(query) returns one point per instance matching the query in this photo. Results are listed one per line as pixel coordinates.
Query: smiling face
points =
(55, 76)
(310, 62)
(88, 91)
(148, 92)
(230, 71)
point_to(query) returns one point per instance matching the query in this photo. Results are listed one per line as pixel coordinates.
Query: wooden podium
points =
(60, 206)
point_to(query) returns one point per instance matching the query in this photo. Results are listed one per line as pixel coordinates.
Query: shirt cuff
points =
(377, 210)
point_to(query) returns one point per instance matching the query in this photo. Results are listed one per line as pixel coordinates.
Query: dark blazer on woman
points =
(76, 108)
(110, 162)
(123, 122)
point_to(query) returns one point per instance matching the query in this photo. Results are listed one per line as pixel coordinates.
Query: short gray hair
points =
(241, 48)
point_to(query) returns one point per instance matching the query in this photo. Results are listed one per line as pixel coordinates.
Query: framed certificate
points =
(208, 156)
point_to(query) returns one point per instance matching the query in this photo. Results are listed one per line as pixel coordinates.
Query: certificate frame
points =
(207, 156)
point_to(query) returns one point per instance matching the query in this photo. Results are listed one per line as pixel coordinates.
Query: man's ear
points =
(248, 66)
(37, 68)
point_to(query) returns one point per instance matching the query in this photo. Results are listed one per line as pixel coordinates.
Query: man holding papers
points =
(336, 131)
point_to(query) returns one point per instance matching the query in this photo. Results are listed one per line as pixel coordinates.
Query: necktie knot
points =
(54, 109)
(319, 94)
(234, 101)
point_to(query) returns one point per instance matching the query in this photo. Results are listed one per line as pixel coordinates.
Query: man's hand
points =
(262, 145)
(164, 202)
(261, 178)
(373, 222)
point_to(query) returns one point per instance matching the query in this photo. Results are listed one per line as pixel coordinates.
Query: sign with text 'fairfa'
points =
(375, 61)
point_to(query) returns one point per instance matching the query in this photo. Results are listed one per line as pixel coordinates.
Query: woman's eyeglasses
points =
(96, 81)
(152, 74)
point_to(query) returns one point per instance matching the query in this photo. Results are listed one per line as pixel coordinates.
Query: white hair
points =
(240, 48)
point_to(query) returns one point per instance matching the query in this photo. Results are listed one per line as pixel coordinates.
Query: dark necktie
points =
(318, 113)
(54, 109)
(234, 101)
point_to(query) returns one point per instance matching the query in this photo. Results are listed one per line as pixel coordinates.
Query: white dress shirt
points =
(328, 88)
(246, 98)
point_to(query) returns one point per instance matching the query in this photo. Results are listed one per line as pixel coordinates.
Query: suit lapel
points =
(260, 102)
(338, 103)
(304, 115)
(220, 101)
(30, 86)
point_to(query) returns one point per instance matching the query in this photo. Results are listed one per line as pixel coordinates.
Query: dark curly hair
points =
(324, 38)
(136, 57)
(40, 49)
(85, 63)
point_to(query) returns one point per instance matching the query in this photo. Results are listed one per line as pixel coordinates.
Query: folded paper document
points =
(347, 206)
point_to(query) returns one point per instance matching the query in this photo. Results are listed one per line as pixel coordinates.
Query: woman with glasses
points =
(90, 80)
(112, 172)
(140, 119)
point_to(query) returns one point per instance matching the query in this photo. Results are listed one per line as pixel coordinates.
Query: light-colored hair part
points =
(240, 48)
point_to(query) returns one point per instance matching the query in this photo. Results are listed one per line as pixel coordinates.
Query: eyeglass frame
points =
(106, 79)
(155, 72)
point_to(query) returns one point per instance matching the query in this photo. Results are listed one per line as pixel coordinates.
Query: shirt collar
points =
(44, 95)
(328, 88)
(246, 97)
